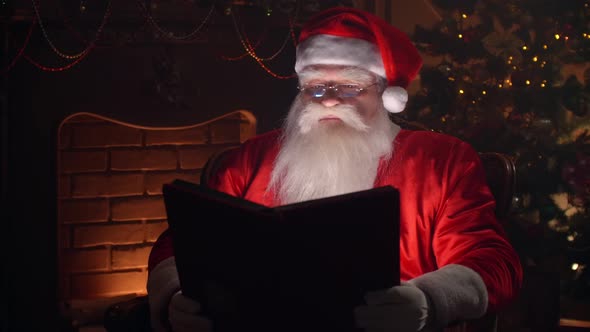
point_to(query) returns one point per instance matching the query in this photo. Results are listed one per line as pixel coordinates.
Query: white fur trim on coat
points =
(456, 292)
(334, 50)
(161, 285)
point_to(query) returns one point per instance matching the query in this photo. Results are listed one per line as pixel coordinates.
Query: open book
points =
(296, 267)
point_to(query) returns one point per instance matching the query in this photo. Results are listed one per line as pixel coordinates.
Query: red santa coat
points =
(447, 209)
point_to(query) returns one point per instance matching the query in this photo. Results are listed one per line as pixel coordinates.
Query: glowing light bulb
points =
(464, 15)
(484, 92)
(460, 36)
(575, 266)
(557, 36)
(524, 48)
(461, 91)
(528, 82)
(535, 58)
(544, 47)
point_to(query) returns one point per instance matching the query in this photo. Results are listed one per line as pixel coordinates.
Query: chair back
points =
(501, 177)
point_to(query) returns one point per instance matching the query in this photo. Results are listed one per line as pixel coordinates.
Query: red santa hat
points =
(351, 37)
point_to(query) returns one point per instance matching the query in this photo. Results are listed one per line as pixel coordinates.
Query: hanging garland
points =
(170, 34)
(250, 50)
(83, 52)
(22, 49)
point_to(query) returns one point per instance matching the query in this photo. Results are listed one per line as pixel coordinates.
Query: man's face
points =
(367, 102)
(333, 140)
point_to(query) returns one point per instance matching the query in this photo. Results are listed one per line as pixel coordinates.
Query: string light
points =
(57, 69)
(251, 51)
(87, 48)
(461, 91)
(535, 58)
(524, 48)
(575, 266)
(170, 34)
(464, 16)
(528, 82)
(557, 36)
(460, 36)
(544, 47)
(484, 92)
(22, 49)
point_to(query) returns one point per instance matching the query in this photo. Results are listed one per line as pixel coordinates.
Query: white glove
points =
(183, 315)
(400, 308)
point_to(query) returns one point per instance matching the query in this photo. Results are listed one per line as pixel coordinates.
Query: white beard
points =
(318, 160)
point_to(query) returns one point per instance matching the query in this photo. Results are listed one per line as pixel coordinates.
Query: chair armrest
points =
(128, 316)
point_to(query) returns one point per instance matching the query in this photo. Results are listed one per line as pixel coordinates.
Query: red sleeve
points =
(230, 178)
(226, 181)
(161, 250)
(468, 233)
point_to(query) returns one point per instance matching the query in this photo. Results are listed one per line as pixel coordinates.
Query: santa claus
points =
(354, 68)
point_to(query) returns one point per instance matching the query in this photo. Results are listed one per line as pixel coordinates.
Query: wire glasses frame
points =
(341, 90)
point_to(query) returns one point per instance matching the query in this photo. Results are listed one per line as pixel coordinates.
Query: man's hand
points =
(401, 308)
(183, 315)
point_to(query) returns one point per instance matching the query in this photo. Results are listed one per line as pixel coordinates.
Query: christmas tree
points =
(512, 76)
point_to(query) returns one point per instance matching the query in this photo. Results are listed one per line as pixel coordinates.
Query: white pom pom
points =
(395, 99)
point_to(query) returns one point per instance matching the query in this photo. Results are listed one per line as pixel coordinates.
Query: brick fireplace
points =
(110, 207)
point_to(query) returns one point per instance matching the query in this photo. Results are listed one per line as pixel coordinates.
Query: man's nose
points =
(329, 100)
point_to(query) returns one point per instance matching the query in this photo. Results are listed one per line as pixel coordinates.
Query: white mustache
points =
(312, 113)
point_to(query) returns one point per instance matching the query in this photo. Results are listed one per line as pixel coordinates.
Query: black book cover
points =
(296, 267)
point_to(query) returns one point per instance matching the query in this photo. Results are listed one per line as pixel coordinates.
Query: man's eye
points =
(316, 86)
(350, 86)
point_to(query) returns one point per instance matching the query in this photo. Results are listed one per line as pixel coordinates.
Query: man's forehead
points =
(336, 73)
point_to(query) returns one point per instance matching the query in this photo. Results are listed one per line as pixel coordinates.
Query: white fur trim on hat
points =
(334, 50)
(161, 285)
(395, 99)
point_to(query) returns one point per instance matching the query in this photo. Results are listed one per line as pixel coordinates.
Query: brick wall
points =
(110, 205)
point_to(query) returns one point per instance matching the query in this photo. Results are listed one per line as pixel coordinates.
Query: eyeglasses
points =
(341, 90)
